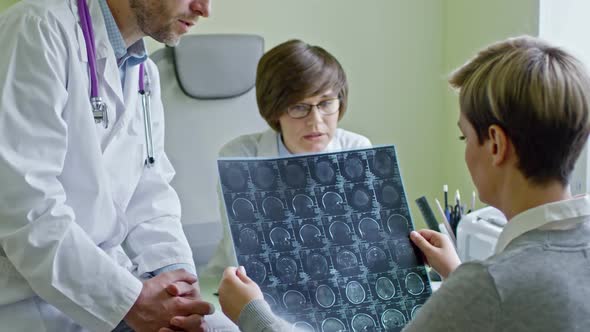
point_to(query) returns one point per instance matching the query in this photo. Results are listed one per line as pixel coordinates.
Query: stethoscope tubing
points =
(98, 107)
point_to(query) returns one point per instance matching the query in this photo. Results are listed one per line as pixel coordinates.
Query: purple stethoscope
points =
(99, 108)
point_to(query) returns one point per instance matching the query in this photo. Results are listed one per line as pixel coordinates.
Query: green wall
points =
(6, 3)
(469, 26)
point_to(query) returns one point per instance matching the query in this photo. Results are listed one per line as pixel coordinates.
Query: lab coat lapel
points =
(130, 109)
(107, 69)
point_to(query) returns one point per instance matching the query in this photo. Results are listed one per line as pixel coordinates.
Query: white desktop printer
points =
(478, 232)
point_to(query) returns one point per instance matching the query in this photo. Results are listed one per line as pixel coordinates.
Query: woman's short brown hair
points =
(538, 94)
(293, 71)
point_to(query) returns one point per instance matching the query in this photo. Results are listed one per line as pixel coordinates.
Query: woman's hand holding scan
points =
(438, 249)
(236, 290)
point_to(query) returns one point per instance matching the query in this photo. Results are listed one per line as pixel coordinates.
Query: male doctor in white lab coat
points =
(72, 192)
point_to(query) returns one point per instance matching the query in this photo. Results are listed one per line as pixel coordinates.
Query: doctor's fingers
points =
(192, 323)
(181, 288)
(183, 306)
(170, 277)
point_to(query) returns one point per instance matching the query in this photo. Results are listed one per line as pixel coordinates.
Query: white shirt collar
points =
(563, 213)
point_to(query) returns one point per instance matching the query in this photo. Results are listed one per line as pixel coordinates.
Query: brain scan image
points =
(353, 168)
(369, 229)
(287, 269)
(333, 325)
(242, 209)
(382, 164)
(280, 238)
(294, 300)
(393, 319)
(345, 260)
(256, 271)
(273, 208)
(384, 288)
(269, 299)
(376, 258)
(361, 198)
(363, 323)
(310, 235)
(326, 236)
(317, 266)
(355, 293)
(414, 284)
(235, 179)
(302, 327)
(324, 172)
(389, 195)
(264, 176)
(333, 202)
(303, 205)
(295, 175)
(248, 240)
(397, 225)
(415, 310)
(325, 296)
(340, 232)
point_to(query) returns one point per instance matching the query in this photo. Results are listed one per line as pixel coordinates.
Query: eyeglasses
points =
(325, 107)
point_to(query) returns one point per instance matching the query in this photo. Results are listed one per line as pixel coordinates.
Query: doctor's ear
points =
(499, 145)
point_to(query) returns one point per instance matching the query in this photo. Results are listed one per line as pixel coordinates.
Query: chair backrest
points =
(207, 84)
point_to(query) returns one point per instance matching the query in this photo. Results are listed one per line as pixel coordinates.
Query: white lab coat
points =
(72, 192)
(263, 144)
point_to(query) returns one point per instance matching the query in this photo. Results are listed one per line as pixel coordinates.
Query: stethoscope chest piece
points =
(99, 111)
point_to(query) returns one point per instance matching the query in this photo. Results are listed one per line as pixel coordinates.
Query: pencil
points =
(446, 222)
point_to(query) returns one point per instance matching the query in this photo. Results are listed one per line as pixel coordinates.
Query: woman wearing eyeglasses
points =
(301, 91)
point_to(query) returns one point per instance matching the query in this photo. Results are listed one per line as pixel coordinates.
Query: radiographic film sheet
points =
(326, 237)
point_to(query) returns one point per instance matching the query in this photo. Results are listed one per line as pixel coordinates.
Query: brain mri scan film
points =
(355, 293)
(325, 172)
(303, 205)
(376, 258)
(369, 229)
(363, 323)
(414, 284)
(353, 168)
(287, 269)
(340, 232)
(325, 296)
(294, 300)
(382, 164)
(248, 240)
(242, 209)
(361, 198)
(346, 259)
(333, 325)
(302, 327)
(273, 208)
(317, 266)
(280, 238)
(397, 225)
(393, 318)
(385, 288)
(333, 202)
(326, 237)
(389, 195)
(295, 175)
(310, 235)
(256, 271)
(235, 179)
(264, 177)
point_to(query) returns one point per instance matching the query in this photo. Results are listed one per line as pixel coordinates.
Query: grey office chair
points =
(208, 94)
